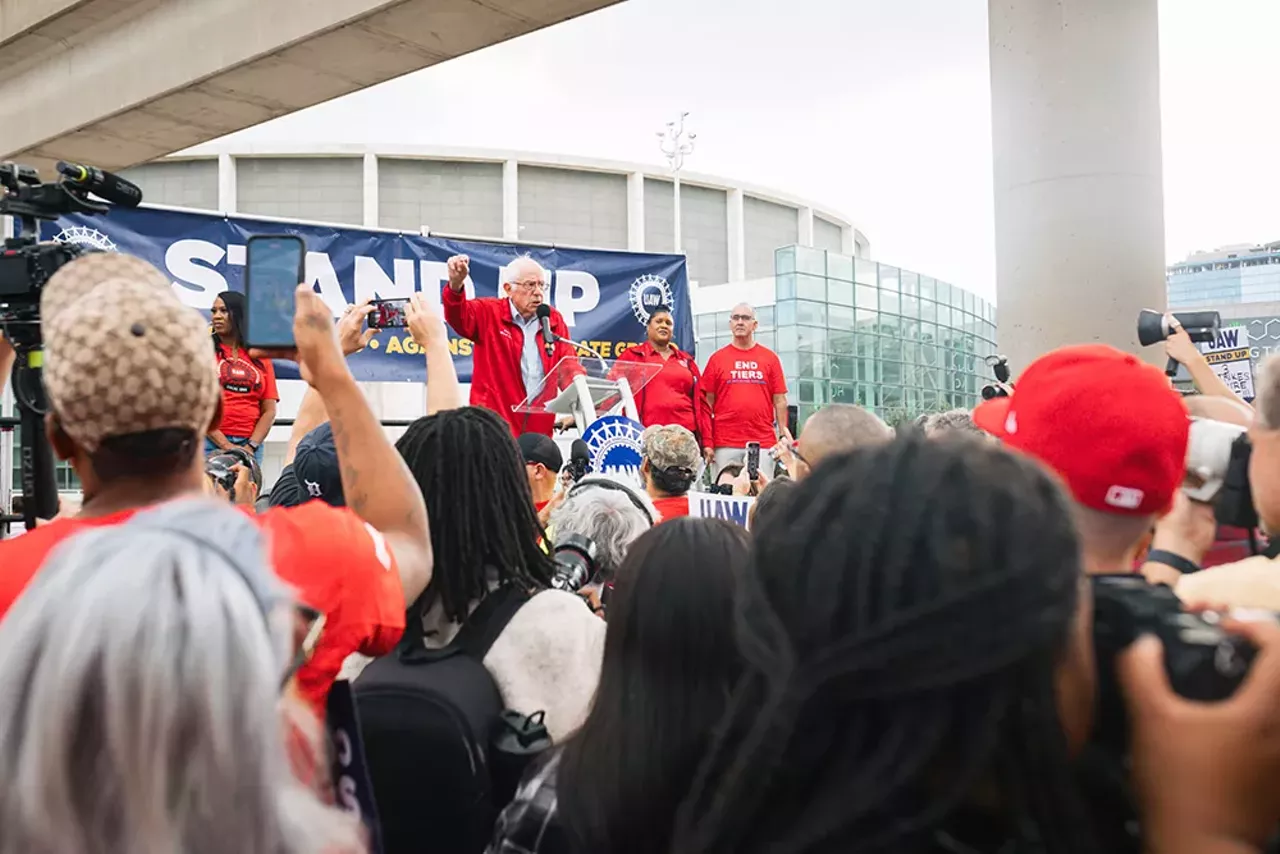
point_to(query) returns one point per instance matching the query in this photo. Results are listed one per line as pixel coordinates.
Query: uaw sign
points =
(1230, 356)
(606, 297)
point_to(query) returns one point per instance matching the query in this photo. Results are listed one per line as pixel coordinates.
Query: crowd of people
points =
(923, 641)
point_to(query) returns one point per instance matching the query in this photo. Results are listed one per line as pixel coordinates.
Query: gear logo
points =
(89, 238)
(647, 294)
(615, 445)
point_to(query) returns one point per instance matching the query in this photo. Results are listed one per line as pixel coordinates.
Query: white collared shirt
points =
(530, 359)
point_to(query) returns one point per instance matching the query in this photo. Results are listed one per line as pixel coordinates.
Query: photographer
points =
(862, 724)
(111, 320)
(1253, 582)
(610, 514)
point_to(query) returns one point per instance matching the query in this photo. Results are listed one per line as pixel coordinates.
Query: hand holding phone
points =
(389, 314)
(753, 461)
(273, 270)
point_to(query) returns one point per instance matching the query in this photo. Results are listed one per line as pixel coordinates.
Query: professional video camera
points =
(1000, 388)
(26, 264)
(1218, 472)
(1153, 328)
(220, 468)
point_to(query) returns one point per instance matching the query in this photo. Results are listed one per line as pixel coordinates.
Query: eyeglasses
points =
(742, 317)
(529, 287)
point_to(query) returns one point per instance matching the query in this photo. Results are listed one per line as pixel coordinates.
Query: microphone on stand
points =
(579, 460)
(548, 337)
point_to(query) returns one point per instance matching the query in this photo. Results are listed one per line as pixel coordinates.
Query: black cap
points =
(537, 448)
(315, 465)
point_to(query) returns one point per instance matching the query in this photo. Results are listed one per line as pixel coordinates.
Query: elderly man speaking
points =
(511, 357)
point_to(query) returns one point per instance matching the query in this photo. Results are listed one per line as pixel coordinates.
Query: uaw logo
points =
(648, 293)
(616, 449)
(89, 238)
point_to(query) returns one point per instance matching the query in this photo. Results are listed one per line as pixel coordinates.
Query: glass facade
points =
(1226, 278)
(849, 330)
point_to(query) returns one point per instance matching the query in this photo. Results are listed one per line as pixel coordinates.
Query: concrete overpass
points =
(120, 82)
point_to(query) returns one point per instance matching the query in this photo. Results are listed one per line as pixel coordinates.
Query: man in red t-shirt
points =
(133, 387)
(747, 392)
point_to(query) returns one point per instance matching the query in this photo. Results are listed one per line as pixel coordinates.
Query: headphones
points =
(632, 496)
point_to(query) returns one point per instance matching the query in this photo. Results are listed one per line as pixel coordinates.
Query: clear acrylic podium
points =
(588, 388)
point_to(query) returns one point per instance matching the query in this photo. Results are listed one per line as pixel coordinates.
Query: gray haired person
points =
(608, 512)
(951, 423)
(142, 709)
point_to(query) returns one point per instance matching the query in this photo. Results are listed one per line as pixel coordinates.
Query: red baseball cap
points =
(1109, 424)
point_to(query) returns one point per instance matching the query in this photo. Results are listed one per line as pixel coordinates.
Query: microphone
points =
(579, 460)
(102, 184)
(548, 337)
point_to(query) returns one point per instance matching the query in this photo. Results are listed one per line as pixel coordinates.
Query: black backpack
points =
(429, 719)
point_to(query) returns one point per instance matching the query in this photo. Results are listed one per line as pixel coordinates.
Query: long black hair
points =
(669, 664)
(473, 480)
(902, 624)
(234, 301)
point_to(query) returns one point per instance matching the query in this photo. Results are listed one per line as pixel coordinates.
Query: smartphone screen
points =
(273, 270)
(388, 313)
(753, 460)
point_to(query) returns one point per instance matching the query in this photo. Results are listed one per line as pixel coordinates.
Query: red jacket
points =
(675, 395)
(496, 381)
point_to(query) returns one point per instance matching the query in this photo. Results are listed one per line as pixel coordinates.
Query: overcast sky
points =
(878, 109)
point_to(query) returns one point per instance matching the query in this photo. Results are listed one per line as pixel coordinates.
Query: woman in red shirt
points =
(674, 396)
(249, 393)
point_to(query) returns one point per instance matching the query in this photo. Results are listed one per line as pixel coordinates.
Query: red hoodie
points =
(496, 381)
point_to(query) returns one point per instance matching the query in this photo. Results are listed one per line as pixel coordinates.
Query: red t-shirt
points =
(245, 384)
(334, 561)
(744, 383)
(672, 507)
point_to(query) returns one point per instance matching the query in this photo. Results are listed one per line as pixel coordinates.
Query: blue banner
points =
(605, 297)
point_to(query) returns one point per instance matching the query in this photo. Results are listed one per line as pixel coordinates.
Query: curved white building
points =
(730, 229)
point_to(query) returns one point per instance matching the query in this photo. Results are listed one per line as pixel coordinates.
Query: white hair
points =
(141, 710)
(527, 264)
(607, 516)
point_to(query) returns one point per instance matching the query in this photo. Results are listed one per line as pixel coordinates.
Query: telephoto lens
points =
(575, 558)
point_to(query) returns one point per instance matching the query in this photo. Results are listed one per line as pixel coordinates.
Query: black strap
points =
(1177, 561)
(488, 620)
(477, 634)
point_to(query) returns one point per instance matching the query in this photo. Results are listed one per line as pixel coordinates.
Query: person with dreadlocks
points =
(487, 535)
(920, 683)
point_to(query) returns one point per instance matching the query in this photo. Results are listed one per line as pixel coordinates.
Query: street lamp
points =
(675, 143)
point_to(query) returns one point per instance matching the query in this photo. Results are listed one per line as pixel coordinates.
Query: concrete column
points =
(736, 222)
(510, 200)
(370, 190)
(848, 243)
(635, 212)
(804, 226)
(226, 183)
(1079, 204)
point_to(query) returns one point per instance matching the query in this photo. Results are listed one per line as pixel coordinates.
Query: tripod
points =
(39, 487)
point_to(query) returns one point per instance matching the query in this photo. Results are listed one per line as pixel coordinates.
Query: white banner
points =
(704, 505)
(1229, 356)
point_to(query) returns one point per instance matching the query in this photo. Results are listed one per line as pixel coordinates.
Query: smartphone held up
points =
(389, 314)
(274, 267)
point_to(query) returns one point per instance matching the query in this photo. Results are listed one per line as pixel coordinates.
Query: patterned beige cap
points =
(122, 354)
(671, 446)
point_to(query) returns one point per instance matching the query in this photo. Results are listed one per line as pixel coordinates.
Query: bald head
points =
(840, 427)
